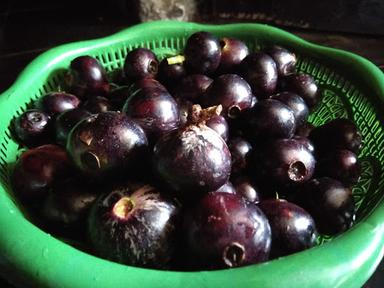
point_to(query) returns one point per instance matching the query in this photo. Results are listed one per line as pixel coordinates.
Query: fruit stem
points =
(123, 207)
(178, 59)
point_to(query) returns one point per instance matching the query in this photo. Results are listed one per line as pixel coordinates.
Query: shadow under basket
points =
(353, 88)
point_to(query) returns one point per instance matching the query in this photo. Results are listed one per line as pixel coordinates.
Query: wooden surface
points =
(27, 30)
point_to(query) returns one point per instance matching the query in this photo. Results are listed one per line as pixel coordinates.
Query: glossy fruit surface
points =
(342, 165)
(97, 104)
(293, 229)
(109, 142)
(37, 169)
(285, 162)
(233, 51)
(192, 87)
(220, 125)
(303, 85)
(246, 188)
(153, 108)
(202, 53)
(232, 92)
(330, 203)
(140, 63)
(192, 160)
(87, 77)
(241, 151)
(57, 102)
(32, 128)
(284, 59)
(65, 121)
(296, 103)
(260, 71)
(339, 133)
(222, 231)
(270, 118)
(135, 225)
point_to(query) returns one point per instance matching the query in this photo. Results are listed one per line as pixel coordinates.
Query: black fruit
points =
(233, 51)
(284, 59)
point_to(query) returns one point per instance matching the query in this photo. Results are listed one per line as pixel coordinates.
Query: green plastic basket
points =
(352, 86)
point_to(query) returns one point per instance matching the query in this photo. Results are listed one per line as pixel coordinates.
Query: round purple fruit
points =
(224, 231)
(134, 225)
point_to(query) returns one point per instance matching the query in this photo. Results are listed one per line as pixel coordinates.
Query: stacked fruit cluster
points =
(184, 163)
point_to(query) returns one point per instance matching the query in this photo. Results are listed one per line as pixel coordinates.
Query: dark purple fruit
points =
(109, 142)
(65, 121)
(171, 70)
(233, 51)
(224, 231)
(303, 85)
(285, 162)
(192, 160)
(296, 103)
(220, 125)
(240, 151)
(202, 53)
(192, 87)
(232, 92)
(342, 165)
(335, 135)
(32, 128)
(304, 129)
(57, 102)
(97, 104)
(66, 207)
(134, 225)
(260, 71)
(226, 188)
(154, 109)
(140, 63)
(285, 60)
(270, 119)
(246, 188)
(330, 204)
(36, 170)
(293, 228)
(87, 78)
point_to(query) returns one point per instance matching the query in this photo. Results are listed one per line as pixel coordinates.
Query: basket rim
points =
(301, 269)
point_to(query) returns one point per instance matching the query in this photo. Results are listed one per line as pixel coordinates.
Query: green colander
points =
(353, 88)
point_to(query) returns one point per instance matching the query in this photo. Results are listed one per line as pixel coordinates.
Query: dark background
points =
(28, 28)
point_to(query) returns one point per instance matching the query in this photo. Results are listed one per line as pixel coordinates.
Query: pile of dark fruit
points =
(184, 163)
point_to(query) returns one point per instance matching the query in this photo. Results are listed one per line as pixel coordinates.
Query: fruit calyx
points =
(123, 207)
(198, 115)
